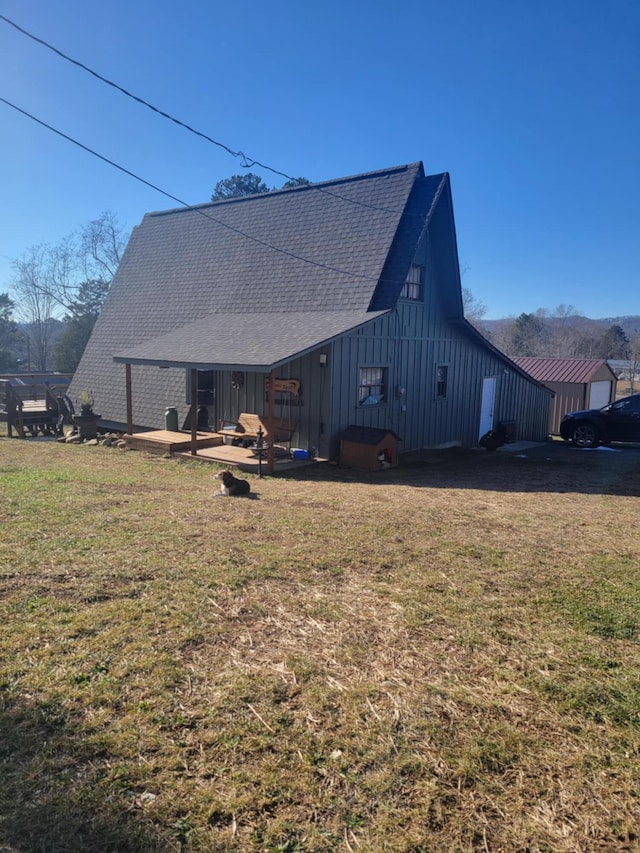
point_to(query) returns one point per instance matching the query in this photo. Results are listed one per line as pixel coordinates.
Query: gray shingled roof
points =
(326, 253)
(245, 341)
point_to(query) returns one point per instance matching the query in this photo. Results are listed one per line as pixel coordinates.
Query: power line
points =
(185, 203)
(245, 161)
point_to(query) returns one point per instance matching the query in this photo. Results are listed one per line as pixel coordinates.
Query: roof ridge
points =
(559, 358)
(417, 167)
(376, 173)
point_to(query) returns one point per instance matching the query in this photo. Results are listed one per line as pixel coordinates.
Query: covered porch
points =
(258, 348)
(205, 444)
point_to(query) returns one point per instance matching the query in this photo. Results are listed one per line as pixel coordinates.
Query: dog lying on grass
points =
(231, 486)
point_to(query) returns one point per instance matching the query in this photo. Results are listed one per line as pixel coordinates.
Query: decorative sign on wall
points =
(289, 387)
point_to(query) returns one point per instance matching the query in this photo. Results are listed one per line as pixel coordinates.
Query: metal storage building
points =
(577, 383)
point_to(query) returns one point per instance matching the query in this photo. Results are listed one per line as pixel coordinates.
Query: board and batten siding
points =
(313, 413)
(411, 342)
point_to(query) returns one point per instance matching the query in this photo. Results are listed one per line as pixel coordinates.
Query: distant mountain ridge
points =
(629, 322)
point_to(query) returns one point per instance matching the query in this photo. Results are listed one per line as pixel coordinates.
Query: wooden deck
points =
(163, 441)
(210, 448)
(245, 460)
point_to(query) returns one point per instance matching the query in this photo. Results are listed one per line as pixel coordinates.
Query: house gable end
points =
(411, 231)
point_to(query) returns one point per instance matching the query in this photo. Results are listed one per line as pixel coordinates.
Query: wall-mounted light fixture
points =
(323, 359)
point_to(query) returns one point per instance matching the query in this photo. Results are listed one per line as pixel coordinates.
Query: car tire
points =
(585, 435)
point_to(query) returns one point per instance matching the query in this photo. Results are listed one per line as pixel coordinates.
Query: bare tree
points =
(501, 334)
(102, 243)
(474, 309)
(634, 365)
(61, 271)
(68, 280)
(35, 305)
(563, 335)
(557, 333)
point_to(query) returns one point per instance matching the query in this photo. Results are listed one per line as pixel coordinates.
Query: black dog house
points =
(369, 448)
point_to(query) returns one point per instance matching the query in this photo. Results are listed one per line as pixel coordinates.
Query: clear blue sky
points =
(532, 107)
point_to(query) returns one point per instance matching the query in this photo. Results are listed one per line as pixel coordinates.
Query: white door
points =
(486, 407)
(600, 394)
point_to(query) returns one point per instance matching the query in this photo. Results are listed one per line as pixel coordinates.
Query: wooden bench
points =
(32, 407)
(247, 426)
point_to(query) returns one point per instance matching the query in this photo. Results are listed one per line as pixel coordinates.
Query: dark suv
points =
(619, 421)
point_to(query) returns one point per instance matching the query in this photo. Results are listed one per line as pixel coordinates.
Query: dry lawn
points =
(438, 658)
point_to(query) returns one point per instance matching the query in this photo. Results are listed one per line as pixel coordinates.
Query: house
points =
(626, 370)
(335, 304)
(577, 383)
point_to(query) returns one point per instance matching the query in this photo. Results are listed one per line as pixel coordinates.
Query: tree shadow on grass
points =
(552, 467)
(54, 794)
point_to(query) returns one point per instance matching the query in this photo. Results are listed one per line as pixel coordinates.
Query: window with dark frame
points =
(412, 288)
(372, 386)
(442, 376)
(206, 387)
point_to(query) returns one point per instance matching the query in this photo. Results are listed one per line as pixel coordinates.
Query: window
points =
(442, 376)
(372, 388)
(629, 405)
(206, 387)
(412, 288)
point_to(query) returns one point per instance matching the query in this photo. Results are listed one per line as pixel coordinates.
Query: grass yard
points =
(443, 657)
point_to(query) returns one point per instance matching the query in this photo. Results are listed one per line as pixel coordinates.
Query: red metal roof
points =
(577, 370)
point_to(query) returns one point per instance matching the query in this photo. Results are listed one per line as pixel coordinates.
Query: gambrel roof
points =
(248, 283)
(279, 263)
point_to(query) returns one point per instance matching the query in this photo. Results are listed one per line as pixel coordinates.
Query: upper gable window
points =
(412, 288)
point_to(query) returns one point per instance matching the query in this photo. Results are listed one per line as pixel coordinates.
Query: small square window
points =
(442, 378)
(412, 288)
(372, 386)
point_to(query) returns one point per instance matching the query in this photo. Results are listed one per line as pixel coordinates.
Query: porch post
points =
(194, 412)
(271, 409)
(127, 371)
